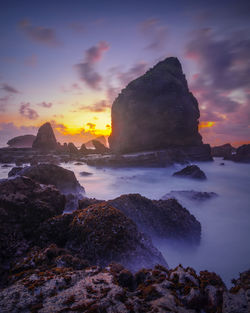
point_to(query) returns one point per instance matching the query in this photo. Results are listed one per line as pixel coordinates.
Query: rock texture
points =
(159, 218)
(191, 171)
(25, 141)
(155, 111)
(45, 139)
(115, 289)
(242, 154)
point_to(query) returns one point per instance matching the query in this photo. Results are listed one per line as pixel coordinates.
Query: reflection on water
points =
(225, 219)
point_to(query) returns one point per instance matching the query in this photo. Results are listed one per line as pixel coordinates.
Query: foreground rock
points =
(223, 151)
(115, 289)
(102, 234)
(159, 218)
(51, 174)
(24, 204)
(190, 195)
(155, 111)
(191, 171)
(45, 139)
(242, 154)
(25, 141)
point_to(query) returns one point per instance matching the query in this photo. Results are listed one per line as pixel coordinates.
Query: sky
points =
(66, 61)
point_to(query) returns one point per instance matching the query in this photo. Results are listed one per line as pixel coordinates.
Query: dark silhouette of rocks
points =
(45, 139)
(72, 149)
(159, 218)
(191, 171)
(155, 111)
(242, 154)
(223, 151)
(25, 141)
(101, 139)
(83, 150)
(99, 147)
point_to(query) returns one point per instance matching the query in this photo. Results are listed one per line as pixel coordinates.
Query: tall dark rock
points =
(155, 111)
(45, 139)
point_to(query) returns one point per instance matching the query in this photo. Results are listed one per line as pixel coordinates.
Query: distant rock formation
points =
(25, 141)
(155, 111)
(45, 139)
(189, 195)
(99, 147)
(242, 154)
(223, 151)
(191, 171)
(101, 139)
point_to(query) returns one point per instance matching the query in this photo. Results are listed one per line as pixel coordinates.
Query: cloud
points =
(222, 86)
(91, 126)
(39, 34)
(45, 104)
(10, 130)
(86, 69)
(9, 89)
(97, 107)
(27, 112)
(155, 33)
(4, 102)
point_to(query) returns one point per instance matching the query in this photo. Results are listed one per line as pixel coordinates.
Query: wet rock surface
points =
(159, 218)
(242, 154)
(223, 151)
(191, 171)
(115, 289)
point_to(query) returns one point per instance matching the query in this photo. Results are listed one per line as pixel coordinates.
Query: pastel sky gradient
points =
(66, 61)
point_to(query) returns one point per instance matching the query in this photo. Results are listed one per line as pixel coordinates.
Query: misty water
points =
(225, 219)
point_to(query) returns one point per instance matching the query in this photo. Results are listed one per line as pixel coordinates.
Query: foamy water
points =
(225, 219)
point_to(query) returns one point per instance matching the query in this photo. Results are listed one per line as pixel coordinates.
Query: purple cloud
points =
(99, 106)
(155, 33)
(45, 104)
(86, 69)
(39, 34)
(28, 112)
(9, 88)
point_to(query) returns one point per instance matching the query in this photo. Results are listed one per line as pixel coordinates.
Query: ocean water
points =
(225, 219)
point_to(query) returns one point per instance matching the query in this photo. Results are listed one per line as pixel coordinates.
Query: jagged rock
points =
(223, 151)
(25, 141)
(190, 194)
(191, 171)
(83, 150)
(159, 218)
(72, 148)
(45, 139)
(155, 111)
(102, 234)
(99, 147)
(101, 139)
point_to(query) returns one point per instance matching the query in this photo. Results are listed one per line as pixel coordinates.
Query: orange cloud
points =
(206, 124)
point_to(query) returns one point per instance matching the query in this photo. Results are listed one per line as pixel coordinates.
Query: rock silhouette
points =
(155, 111)
(45, 139)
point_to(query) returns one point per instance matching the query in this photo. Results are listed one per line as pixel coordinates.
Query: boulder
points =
(159, 218)
(155, 111)
(190, 195)
(45, 139)
(25, 141)
(191, 171)
(51, 174)
(223, 151)
(101, 234)
(83, 150)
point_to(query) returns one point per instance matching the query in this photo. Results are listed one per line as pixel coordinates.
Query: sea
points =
(225, 220)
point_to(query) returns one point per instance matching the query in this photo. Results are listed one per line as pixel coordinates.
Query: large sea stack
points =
(45, 139)
(155, 111)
